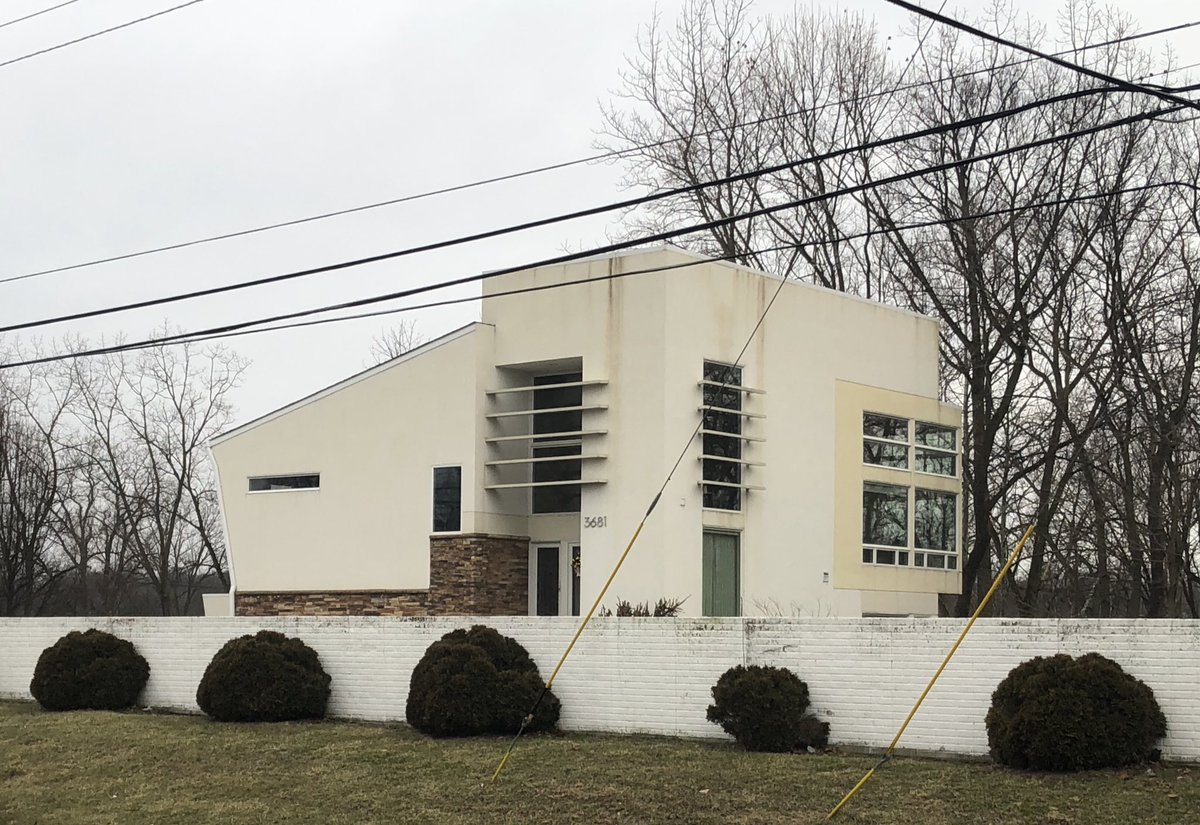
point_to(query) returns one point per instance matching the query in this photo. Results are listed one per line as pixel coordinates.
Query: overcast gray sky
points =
(234, 113)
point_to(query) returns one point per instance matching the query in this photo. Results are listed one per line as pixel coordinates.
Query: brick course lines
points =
(655, 675)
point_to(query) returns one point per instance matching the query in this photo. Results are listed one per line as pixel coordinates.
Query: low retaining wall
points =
(654, 675)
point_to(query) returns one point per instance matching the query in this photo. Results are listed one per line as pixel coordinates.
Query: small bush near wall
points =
(763, 708)
(477, 681)
(92, 670)
(266, 677)
(1059, 713)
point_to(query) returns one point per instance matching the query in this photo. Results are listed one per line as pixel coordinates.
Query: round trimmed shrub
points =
(477, 681)
(516, 693)
(1059, 713)
(92, 670)
(451, 691)
(264, 677)
(763, 708)
(505, 652)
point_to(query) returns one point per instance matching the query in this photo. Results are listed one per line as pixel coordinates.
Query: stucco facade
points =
(634, 348)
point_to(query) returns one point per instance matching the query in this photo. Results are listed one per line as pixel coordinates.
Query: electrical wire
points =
(612, 276)
(222, 331)
(571, 163)
(36, 14)
(1119, 83)
(97, 34)
(556, 219)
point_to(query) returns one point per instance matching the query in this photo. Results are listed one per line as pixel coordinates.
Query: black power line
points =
(541, 222)
(96, 34)
(614, 247)
(729, 258)
(576, 162)
(36, 14)
(1119, 83)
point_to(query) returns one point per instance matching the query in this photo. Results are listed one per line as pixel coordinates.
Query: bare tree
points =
(395, 341)
(1059, 272)
(148, 419)
(31, 483)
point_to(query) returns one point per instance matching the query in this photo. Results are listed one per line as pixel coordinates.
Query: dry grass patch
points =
(99, 767)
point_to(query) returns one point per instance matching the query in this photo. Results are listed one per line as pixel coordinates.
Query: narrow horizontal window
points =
(885, 427)
(885, 454)
(937, 463)
(264, 484)
(932, 435)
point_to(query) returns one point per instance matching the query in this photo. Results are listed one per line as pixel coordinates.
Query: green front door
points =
(722, 574)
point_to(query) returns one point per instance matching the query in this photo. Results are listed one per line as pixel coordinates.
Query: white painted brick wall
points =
(654, 675)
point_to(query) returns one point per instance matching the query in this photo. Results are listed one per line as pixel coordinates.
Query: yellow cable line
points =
(574, 639)
(978, 611)
(632, 539)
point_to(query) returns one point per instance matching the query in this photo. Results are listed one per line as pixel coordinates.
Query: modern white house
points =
(502, 468)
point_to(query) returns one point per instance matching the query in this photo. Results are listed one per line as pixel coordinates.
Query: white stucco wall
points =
(376, 439)
(648, 336)
(655, 675)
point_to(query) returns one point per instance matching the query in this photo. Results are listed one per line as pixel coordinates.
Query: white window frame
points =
(909, 477)
(740, 414)
(564, 573)
(316, 489)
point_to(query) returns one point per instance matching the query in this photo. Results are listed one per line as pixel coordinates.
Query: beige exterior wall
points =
(647, 336)
(912, 589)
(375, 442)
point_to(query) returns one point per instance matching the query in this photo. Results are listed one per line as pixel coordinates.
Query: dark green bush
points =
(452, 691)
(763, 708)
(1059, 713)
(92, 670)
(505, 652)
(477, 681)
(517, 693)
(266, 677)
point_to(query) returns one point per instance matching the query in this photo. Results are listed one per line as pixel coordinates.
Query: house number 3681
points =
(594, 521)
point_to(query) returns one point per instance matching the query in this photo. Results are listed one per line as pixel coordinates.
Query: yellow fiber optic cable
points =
(978, 611)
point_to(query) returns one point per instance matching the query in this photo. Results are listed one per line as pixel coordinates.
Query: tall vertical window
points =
(447, 499)
(885, 524)
(935, 526)
(722, 443)
(555, 451)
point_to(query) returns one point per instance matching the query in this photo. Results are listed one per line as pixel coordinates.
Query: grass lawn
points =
(96, 767)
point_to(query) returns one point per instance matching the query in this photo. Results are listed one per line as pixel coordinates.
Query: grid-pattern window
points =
(902, 443)
(935, 449)
(904, 524)
(562, 450)
(447, 499)
(722, 414)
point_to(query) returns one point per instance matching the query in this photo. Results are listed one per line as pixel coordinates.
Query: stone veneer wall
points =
(476, 574)
(333, 603)
(470, 574)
